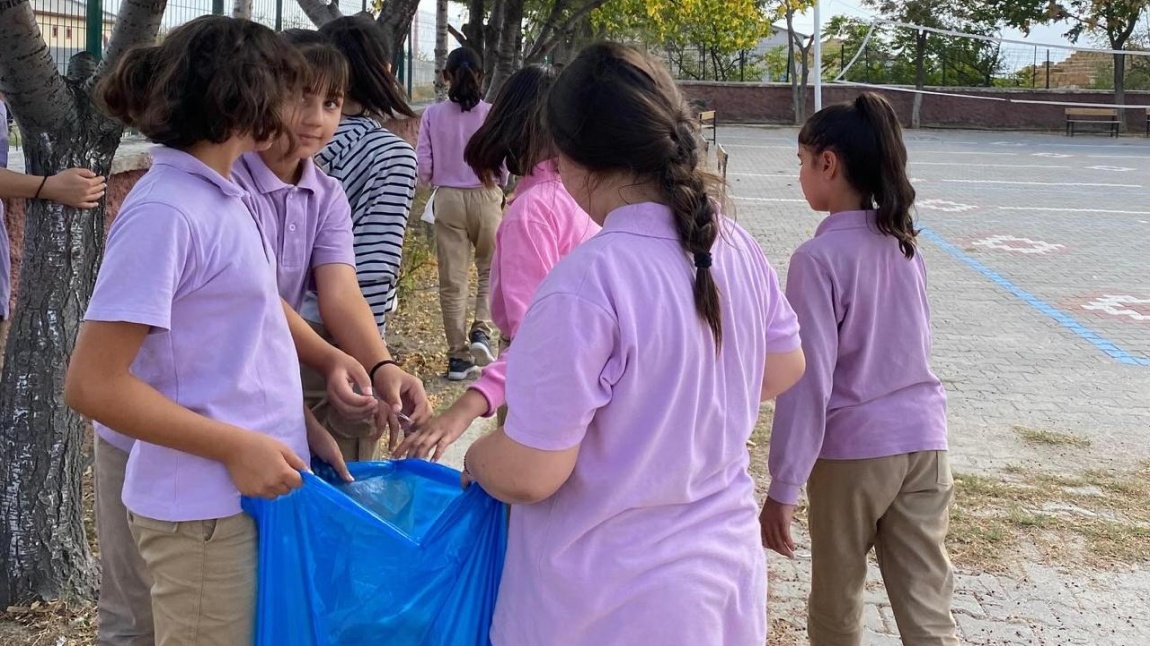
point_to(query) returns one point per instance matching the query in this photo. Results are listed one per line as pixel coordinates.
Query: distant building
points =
(64, 25)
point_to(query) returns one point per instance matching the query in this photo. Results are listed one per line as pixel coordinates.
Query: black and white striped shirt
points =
(378, 172)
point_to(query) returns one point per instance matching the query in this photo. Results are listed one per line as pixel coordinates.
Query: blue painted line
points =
(1065, 320)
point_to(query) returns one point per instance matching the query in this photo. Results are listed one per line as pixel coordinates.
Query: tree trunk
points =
(395, 17)
(473, 30)
(319, 12)
(510, 36)
(242, 9)
(43, 546)
(556, 29)
(919, 77)
(797, 104)
(491, 34)
(440, 48)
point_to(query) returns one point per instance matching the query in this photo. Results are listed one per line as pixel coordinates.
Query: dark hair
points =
(211, 79)
(614, 109)
(326, 70)
(866, 136)
(465, 71)
(300, 37)
(370, 83)
(514, 133)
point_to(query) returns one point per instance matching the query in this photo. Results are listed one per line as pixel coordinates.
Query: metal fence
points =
(73, 26)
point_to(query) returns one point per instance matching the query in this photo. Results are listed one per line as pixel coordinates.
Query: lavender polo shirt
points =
(308, 224)
(186, 257)
(868, 391)
(654, 539)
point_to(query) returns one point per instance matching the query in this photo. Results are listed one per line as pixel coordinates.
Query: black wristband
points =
(376, 367)
(42, 183)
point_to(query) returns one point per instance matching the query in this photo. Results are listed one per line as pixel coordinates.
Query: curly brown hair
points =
(211, 79)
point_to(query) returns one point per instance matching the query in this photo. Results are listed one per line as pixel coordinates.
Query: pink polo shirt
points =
(542, 225)
(654, 539)
(444, 131)
(186, 257)
(308, 224)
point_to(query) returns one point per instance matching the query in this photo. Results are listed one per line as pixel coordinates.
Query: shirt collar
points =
(545, 171)
(845, 220)
(645, 219)
(182, 161)
(268, 182)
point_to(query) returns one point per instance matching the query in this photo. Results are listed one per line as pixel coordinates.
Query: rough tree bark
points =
(440, 48)
(560, 23)
(43, 550)
(395, 18)
(920, 41)
(491, 35)
(242, 9)
(510, 37)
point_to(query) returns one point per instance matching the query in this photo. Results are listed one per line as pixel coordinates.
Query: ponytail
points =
(464, 69)
(696, 220)
(860, 133)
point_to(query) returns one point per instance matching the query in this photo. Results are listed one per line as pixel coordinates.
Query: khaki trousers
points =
(899, 505)
(354, 436)
(465, 218)
(125, 604)
(204, 572)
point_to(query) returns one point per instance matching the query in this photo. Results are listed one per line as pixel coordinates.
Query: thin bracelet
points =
(376, 367)
(42, 183)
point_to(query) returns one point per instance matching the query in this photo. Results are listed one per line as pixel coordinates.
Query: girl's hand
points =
(344, 374)
(264, 467)
(76, 187)
(324, 447)
(400, 392)
(434, 437)
(775, 526)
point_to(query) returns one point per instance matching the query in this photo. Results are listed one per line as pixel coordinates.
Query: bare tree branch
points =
(137, 24)
(459, 38)
(320, 12)
(553, 31)
(29, 80)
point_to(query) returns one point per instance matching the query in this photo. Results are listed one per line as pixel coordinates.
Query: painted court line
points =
(1058, 209)
(1065, 320)
(1021, 183)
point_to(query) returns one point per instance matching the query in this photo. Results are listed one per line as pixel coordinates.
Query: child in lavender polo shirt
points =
(633, 387)
(865, 429)
(185, 346)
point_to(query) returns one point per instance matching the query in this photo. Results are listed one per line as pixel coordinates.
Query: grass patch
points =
(1098, 518)
(1050, 438)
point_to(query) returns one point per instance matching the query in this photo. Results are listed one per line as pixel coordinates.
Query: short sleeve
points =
(333, 242)
(782, 324)
(559, 373)
(147, 265)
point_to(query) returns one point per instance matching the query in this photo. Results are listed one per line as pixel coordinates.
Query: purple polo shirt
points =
(654, 539)
(308, 224)
(186, 257)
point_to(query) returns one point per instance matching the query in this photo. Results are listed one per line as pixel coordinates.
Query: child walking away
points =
(306, 218)
(467, 212)
(542, 225)
(865, 429)
(185, 349)
(376, 168)
(633, 385)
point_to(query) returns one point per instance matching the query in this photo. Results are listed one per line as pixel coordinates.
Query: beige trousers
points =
(125, 604)
(899, 506)
(353, 436)
(204, 572)
(465, 218)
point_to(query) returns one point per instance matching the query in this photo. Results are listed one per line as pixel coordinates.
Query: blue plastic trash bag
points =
(401, 557)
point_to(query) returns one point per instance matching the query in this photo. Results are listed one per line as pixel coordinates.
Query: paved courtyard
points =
(1038, 253)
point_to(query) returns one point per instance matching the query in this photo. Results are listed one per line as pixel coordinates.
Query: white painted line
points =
(977, 165)
(1059, 209)
(1019, 183)
(768, 199)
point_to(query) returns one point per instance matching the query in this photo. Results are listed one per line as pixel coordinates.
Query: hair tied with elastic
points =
(703, 260)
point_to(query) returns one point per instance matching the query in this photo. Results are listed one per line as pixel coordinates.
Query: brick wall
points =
(771, 103)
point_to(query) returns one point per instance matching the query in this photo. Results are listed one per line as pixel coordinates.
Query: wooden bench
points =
(707, 122)
(1104, 116)
(721, 161)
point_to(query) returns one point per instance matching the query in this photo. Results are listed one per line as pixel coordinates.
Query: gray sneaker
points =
(461, 369)
(481, 348)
